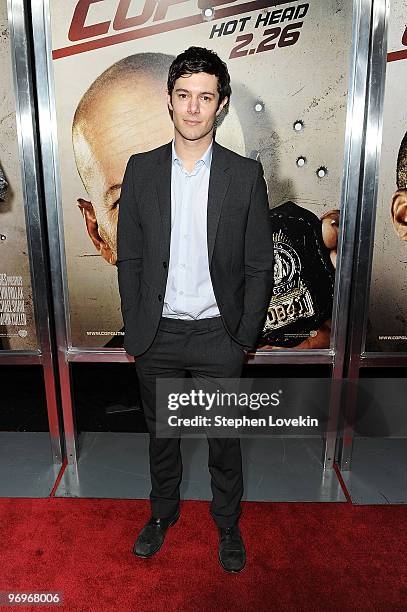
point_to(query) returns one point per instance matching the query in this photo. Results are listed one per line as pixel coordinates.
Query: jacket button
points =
(164, 264)
(160, 297)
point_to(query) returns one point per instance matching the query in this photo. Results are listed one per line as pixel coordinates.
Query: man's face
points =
(194, 104)
(130, 118)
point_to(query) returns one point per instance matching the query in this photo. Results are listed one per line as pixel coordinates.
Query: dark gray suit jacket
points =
(239, 236)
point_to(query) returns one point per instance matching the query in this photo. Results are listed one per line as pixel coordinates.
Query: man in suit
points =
(195, 271)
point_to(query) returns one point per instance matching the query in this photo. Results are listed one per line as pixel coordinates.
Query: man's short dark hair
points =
(402, 164)
(199, 59)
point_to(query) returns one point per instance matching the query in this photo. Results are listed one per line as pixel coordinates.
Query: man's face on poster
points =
(129, 118)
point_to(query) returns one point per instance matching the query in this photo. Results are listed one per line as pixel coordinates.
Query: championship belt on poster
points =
(304, 277)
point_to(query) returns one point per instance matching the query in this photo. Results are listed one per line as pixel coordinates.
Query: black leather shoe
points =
(232, 553)
(151, 537)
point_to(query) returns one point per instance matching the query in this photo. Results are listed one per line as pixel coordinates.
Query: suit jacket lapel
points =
(218, 185)
(219, 180)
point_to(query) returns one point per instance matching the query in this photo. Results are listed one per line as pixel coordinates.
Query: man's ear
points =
(169, 102)
(399, 213)
(221, 105)
(92, 227)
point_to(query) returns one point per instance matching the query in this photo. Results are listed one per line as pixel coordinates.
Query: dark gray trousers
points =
(204, 348)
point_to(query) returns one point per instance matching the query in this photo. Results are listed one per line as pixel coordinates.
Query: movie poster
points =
(289, 64)
(17, 324)
(387, 321)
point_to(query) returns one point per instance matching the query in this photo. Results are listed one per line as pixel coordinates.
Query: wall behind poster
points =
(387, 322)
(17, 324)
(284, 68)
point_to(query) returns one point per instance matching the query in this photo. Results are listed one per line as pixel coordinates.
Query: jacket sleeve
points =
(258, 263)
(129, 241)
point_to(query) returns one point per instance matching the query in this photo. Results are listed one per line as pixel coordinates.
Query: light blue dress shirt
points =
(189, 292)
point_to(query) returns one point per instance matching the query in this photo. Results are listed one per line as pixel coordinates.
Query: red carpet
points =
(331, 557)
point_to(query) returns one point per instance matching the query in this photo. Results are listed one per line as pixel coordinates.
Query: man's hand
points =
(330, 228)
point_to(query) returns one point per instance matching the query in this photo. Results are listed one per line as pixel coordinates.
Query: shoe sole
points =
(156, 551)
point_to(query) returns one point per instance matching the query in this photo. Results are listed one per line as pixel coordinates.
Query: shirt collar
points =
(206, 157)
